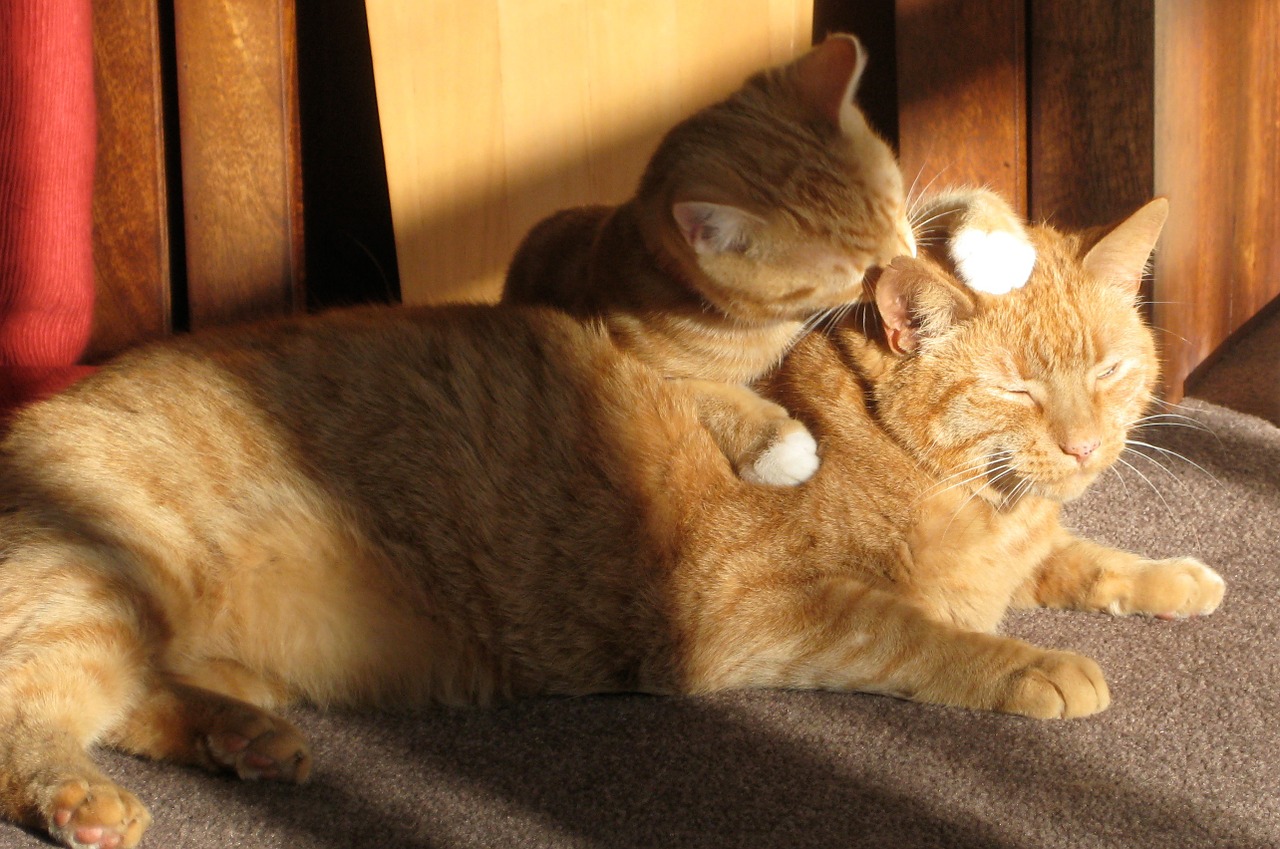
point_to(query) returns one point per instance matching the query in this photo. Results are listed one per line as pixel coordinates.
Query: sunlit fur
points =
(1064, 361)
(812, 198)
(393, 507)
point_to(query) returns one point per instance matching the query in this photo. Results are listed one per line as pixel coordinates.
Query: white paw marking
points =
(791, 460)
(993, 262)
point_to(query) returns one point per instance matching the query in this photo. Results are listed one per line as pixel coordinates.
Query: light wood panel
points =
(241, 176)
(1217, 159)
(130, 216)
(497, 112)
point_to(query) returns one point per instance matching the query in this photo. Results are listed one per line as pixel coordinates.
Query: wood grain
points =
(962, 94)
(1091, 104)
(1217, 126)
(497, 112)
(130, 216)
(241, 175)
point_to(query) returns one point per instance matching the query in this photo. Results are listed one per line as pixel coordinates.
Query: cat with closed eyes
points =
(754, 218)
(394, 507)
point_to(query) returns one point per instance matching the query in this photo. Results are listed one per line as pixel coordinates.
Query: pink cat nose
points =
(1081, 449)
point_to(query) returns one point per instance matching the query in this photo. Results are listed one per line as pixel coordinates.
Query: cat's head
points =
(1029, 392)
(777, 200)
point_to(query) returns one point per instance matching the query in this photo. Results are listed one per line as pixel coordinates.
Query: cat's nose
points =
(1080, 448)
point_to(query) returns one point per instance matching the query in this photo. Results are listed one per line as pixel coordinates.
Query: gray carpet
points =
(1185, 757)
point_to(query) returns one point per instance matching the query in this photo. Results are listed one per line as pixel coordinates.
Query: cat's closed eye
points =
(1015, 390)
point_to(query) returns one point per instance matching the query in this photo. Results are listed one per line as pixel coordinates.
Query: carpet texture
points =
(1185, 757)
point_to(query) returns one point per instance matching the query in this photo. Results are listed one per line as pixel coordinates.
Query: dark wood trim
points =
(241, 169)
(1091, 104)
(962, 94)
(130, 214)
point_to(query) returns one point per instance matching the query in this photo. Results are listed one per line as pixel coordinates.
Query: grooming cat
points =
(754, 216)
(393, 507)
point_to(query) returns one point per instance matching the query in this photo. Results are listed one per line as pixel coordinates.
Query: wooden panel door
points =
(241, 173)
(497, 112)
(130, 196)
(962, 95)
(1217, 159)
(198, 215)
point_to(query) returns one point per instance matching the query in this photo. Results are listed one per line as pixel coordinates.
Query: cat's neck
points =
(657, 311)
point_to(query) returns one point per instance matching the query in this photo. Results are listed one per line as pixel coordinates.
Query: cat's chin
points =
(1065, 489)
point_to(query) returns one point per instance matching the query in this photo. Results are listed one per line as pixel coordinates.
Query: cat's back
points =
(552, 264)
(451, 392)
(313, 495)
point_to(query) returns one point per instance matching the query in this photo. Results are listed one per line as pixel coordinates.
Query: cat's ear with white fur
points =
(993, 261)
(713, 228)
(986, 241)
(828, 77)
(1120, 257)
(918, 302)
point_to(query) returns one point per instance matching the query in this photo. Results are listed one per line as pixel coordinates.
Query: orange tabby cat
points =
(398, 506)
(754, 216)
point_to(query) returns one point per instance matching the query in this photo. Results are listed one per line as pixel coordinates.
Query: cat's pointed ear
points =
(712, 228)
(1120, 258)
(918, 302)
(828, 77)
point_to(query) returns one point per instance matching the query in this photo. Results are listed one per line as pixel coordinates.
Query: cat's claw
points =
(789, 461)
(97, 816)
(993, 262)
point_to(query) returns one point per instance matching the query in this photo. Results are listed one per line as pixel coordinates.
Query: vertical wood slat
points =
(130, 216)
(241, 174)
(1091, 104)
(1218, 161)
(962, 95)
(497, 112)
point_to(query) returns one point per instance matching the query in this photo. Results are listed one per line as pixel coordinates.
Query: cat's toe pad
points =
(261, 747)
(994, 262)
(97, 816)
(790, 460)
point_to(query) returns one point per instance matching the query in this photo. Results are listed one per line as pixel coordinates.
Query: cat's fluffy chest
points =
(964, 564)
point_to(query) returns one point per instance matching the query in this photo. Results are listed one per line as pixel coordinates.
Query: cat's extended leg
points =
(761, 440)
(1082, 575)
(842, 635)
(180, 722)
(73, 659)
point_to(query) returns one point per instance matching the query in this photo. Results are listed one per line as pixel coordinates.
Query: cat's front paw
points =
(1058, 685)
(96, 815)
(995, 262)
(789, 460)
(1171, 589)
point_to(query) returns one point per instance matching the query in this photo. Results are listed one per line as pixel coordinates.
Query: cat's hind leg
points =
(72, 662)
(181, 722)
(1082, 575)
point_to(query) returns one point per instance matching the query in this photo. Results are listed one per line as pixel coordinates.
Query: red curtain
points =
(47, 140)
